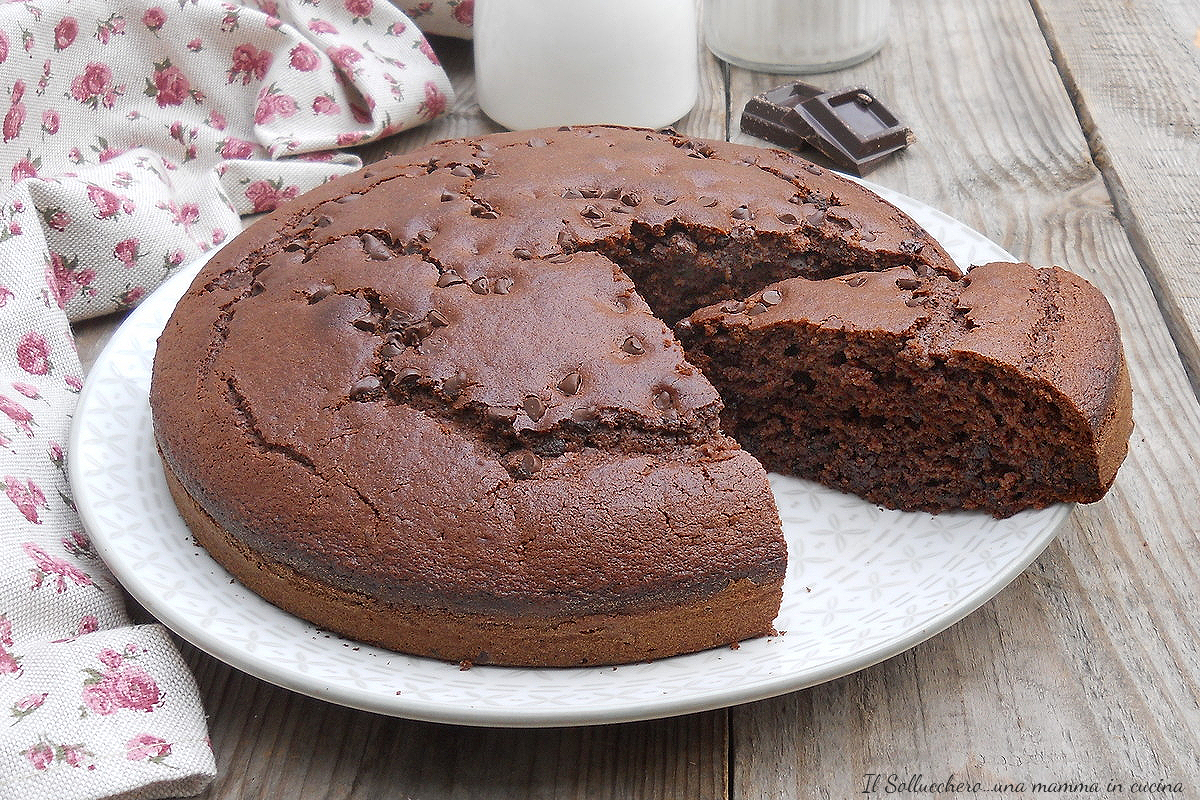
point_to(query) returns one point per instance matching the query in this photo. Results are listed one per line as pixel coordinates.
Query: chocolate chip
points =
(567, 239)
(733, 307)
(560, 258)
(462, 171)
(390, 349)
(812, 169)
(907, 283)
(591, 212)
(425, 236)
(537, 142)
(663, 400)
(789, 219)
(366, 322)
(322, 221)
(857, 280)
(756, 309)
(320, 293)
(572, 194)
(912, 246)
(534, 407)
(375, 249)
(631, 198)
(590, 192)
(611, 194)
(706, 201)
(480, 285)
(484, 211)
(435, 318)
(415, 333)
(633, 346)
(665, 201)
(570, 383)
(453, 386)
(522, 253)
(408, 375)
(913, 302)
(584, 416)
(448, 195)
(528, 464)
(500, 414)
(502, 285)
(741, 212)
(366, 388)
(772, 297)
(866, 235)
(449, 278)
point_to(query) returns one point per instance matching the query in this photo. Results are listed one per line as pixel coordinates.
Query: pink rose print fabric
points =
(446, 18)
(133, 137)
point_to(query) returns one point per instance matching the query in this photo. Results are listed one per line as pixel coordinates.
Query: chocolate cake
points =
(1001, 391)
(437, 404)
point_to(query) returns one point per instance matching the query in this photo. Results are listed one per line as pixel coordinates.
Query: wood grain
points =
(272, 744)
(1085, 667)
(1133, 73)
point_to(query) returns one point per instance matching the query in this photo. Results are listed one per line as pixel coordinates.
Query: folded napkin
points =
(134, 136)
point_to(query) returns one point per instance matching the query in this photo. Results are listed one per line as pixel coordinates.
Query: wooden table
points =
(1069, 132)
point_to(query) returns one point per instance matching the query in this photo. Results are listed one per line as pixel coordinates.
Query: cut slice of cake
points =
(1002, 391)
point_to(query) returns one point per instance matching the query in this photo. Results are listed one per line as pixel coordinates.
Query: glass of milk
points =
(795, 36)
(566, 62)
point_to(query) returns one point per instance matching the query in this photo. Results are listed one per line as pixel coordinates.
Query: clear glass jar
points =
(795, 36)
(565, 62)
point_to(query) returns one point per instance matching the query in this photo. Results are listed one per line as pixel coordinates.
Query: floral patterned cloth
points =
(133, 137)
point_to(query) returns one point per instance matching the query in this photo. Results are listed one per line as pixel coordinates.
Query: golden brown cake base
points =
(741, 611)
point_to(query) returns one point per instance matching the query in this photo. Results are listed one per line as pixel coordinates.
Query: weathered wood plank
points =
(271, 743)
(1133, 72)
(1085, 667)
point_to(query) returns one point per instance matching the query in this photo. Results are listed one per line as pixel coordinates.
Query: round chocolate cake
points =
(438, 405)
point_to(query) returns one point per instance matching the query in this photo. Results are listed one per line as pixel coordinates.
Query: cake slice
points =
(1001, 391)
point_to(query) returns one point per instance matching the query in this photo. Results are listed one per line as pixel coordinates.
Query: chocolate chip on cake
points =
(633, 346)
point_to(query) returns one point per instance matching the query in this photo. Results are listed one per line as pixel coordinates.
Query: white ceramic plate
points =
(863, 583)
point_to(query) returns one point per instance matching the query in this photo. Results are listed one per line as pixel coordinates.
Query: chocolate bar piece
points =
(850, 126)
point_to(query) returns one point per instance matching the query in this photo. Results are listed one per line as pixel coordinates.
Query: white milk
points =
(567, 62)
(795, 36)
